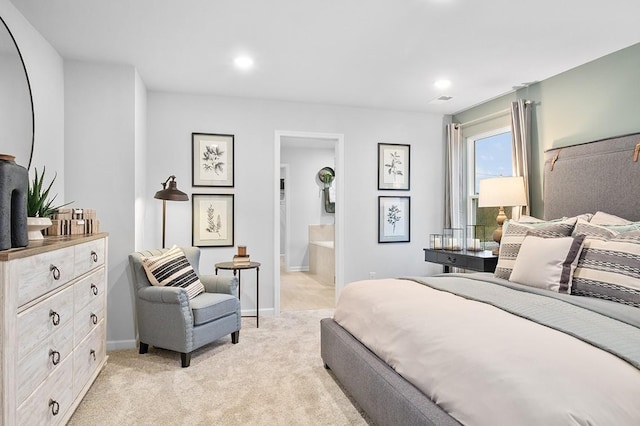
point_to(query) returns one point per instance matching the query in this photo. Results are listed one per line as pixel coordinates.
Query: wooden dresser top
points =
(48, 244)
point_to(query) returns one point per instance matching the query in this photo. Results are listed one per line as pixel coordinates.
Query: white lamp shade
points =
(502, 192)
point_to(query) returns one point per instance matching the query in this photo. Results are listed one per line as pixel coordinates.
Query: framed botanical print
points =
(212, 159)
(394, 219)
(393, 166)
(212, 220)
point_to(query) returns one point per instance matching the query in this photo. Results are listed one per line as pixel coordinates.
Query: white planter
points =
(35, 225)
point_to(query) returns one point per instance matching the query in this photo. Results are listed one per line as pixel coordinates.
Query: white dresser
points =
(53, 327)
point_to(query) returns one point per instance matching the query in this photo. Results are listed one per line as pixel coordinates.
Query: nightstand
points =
(481, 261)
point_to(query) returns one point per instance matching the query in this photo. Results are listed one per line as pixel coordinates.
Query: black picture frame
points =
(212, 220)
(394, 219)
(212, 160)
(394, 166)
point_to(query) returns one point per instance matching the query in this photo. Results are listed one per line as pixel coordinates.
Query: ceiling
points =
(364, 53)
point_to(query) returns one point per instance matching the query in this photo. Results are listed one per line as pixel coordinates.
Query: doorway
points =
(305, 140)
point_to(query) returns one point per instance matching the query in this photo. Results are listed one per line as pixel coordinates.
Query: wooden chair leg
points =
(144, 348)
(235, 337)
(186, 359)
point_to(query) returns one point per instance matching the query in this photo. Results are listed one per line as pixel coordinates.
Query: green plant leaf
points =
(38, 202)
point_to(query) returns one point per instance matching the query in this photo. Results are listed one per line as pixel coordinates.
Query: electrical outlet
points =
(372, 275)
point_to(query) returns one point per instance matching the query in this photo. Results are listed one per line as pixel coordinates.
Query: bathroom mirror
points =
(16, 104)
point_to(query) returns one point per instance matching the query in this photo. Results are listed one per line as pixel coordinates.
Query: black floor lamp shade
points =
(172, 193)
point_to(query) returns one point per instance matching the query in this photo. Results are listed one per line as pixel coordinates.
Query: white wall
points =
(100, 154)
(306, 201)
(45, 69)
(173, 117)
(140, 160)
(103, 161)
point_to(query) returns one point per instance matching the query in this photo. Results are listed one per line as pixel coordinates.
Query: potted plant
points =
(40, 207)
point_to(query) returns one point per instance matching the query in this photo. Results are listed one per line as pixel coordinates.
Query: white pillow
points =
(602, 218)
(514, 232)
(547, 263)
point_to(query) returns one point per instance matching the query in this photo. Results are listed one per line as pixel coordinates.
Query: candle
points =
(437, 243)
(473, 244)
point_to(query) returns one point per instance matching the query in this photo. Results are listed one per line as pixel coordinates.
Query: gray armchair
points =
(168, 319)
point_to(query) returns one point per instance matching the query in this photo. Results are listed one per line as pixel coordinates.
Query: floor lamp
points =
(172, 193)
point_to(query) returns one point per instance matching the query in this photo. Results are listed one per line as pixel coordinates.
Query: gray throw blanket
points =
(598, 326)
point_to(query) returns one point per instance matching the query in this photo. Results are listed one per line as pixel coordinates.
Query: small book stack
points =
(242, 258)
(74, 222)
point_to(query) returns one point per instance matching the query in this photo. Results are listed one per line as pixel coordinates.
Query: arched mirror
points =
(16, 104)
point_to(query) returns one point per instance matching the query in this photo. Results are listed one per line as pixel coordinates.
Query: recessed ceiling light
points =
(442, 84)
(243, 62)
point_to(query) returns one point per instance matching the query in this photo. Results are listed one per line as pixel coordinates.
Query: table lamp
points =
(501, 192)
(171, 194)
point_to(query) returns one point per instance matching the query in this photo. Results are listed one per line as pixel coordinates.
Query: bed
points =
(517, 347)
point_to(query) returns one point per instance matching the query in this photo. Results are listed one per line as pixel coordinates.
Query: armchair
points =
(168, 319)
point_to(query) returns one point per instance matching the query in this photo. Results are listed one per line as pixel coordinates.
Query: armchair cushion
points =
(173, 269)
(208, 307)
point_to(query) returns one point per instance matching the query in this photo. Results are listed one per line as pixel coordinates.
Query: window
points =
(489, 155)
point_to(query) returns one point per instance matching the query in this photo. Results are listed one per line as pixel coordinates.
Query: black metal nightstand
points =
(481, 261)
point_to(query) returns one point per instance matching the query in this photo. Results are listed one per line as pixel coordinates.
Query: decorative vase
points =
(35, 225)
(14, 184)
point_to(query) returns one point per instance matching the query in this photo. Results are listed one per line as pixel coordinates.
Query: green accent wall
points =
(597, 100)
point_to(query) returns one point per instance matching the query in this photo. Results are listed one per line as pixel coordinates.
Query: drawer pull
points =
(56, 272)
(93, 353)
(55, 357)
(55, 317)
(94, 256)
(452, 259)
(94, 289)
(55, 407)
(94, 319)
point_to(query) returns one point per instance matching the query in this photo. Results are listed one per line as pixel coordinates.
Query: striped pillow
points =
(514, 233)
(173, 269)
(609, 265)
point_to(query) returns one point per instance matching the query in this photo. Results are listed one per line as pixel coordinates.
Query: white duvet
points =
(485, 366)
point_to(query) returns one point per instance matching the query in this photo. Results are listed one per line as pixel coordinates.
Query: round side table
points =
(237, 270)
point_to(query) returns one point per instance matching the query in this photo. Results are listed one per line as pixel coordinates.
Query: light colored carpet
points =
(273, 376)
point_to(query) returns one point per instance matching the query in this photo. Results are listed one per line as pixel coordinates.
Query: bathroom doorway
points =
(303, 215)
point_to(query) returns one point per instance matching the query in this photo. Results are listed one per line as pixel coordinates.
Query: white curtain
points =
(454, 190)
(521, 152)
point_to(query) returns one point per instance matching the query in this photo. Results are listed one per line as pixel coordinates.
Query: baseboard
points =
(116, 345)
(298, 269)
(269, 312)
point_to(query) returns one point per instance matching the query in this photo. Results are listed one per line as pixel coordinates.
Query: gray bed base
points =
(384, 395)
(601, 175)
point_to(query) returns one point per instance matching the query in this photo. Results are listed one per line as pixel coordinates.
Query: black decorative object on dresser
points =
(481, 261)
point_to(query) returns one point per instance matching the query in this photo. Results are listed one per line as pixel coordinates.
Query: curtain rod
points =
(489, 116)
(486, 117)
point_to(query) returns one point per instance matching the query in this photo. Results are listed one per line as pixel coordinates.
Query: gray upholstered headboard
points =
(600, 175)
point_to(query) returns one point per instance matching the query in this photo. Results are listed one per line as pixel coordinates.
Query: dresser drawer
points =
(38, 322)
(87, 357)
(88, 289)
(39, 274)
(88, 256)
(87, 319)
(51, 400)
(48, 356)
(452, 259)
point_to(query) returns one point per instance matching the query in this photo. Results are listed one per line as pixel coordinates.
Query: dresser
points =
(53, 297)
